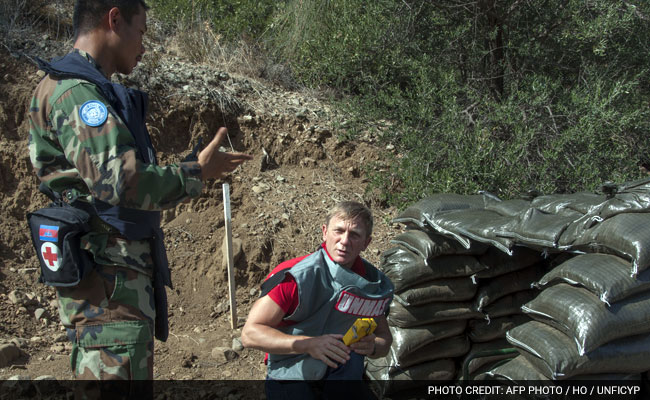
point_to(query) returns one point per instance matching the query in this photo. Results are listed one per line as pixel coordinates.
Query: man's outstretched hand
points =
(215, 163)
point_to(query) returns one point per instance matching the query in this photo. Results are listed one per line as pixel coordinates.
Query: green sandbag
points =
(554, 354)
(474, 225)
(406, 269)
(495, 288)
(455, 346)
(580, 314)
(429, 245)
(402, 379)
(536, 228)
(498, 263)
(406, 341)
(516, 370)
(405, 317)
(414, 214)
(509, 208)
(438, 290)
(607, 276)
(473, 360)
(481, 330)
(626, 235)
(568, 204)
(510, 304)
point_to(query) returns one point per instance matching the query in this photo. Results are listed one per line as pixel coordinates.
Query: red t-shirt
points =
(285, 294)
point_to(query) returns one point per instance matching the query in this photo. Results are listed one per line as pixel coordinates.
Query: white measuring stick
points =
(231, 272)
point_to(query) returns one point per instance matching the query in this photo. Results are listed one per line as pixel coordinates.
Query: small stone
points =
(57, 348)
(223, 354)
(38, 313)
(60, 338)
(254, 292)
(237, 345)
(390, 147)
(36, 339)
(261, 188)
(50, 357)
(17, 297)
(221, 308)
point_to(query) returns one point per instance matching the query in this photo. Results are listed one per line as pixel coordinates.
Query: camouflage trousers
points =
(109, 317)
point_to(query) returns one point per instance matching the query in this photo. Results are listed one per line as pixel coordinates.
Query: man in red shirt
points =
(309, 302)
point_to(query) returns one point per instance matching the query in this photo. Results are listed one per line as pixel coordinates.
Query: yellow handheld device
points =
(361, 327)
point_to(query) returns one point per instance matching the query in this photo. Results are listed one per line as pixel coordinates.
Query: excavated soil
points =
(301, 168)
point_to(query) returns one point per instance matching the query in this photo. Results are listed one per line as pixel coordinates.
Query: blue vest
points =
(131, 107)
(331, 299)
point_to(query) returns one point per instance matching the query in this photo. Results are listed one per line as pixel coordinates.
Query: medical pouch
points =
(56, 234)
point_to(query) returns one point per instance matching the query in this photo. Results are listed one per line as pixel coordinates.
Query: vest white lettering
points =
(356, 305)
(351, 304)
(379, 308)
(344, 302)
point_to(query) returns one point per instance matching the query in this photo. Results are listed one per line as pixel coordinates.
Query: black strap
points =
(273, 281)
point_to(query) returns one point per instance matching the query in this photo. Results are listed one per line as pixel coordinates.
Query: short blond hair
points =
(351, 210)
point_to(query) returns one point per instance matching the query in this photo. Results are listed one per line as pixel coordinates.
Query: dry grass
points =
(18, 17)
(200, 44)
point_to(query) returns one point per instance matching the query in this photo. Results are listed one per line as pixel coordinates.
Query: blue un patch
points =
(93, 113)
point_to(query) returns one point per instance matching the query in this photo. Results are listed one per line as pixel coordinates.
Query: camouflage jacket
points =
(69, 155)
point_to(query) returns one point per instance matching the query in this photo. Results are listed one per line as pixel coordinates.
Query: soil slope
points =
(301, 168)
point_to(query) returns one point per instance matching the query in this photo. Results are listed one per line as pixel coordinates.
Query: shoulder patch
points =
(93, 113)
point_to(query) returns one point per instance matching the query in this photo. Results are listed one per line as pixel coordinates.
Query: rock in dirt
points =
(60, 338)
(17, 297)
(236, 344)
(9, 353)
(38, 313)
(57, 348)
(224, 354)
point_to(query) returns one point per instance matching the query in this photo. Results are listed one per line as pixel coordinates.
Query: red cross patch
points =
(51, 256)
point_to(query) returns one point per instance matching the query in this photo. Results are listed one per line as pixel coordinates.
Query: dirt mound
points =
(279, 199)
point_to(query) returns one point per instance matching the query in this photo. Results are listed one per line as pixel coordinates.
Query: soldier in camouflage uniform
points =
(84, 144)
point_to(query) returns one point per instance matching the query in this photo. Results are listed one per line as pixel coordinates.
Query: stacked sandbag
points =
(451, 294)
(503, 287)
(592, 318)
(598, 299)
(428, 316)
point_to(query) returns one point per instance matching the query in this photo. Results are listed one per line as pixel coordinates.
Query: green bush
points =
(499, 96)
(502, 96)
(231, 19)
